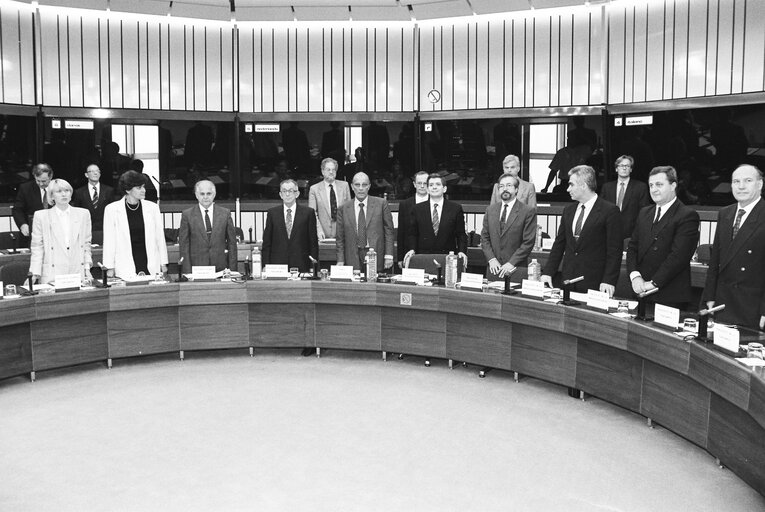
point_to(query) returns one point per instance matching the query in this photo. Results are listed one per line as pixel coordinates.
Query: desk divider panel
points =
(757, 400)
(479, 341)
(69, 340)
(534, 313)
(143, 297)
(411, 331)
(141, 332)
(15, 350)
(348, 327)
(547, 355)
(422, 297)
(675, 401)
(659, 345)
(611, 373)
(475, 304)
(282, 325)
(16, 311)
(63, 304)
(715, 371)
(597, 326)
(214, 326)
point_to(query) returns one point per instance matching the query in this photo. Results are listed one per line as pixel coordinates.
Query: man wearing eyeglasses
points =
(290, 236)
(629, 194)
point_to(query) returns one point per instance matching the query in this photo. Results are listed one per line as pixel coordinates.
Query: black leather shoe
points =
(308, 351)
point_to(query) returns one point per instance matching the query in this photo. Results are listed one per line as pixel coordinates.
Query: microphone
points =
(103, 275)
(508, 290)
(440, 270)
(13, 237)
(704, 322)
(180, 275)
(641, 309)
(315, 265)
(709, 311)
(31, 276)
(250, 230)
(567, 291)
(572, 281)
(247, 268)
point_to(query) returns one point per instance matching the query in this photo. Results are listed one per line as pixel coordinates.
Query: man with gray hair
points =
(527, 193)
(207, 236)
(589, 241)
(326, 197)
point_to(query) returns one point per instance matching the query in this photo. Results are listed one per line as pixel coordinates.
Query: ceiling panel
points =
(140, 6)
(325, 13)
(264, 14)
(99, 5)
(546, 4)
(446, 9)
(203, 11)
(497, 6)
(315, 3)
(396, 13)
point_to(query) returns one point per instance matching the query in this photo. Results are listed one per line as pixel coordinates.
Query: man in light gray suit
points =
(375, 229)
(207, 236)
(326, 197)
(527, 193)
(509, 231)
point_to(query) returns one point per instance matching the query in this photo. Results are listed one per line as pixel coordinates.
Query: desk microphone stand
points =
(643, 306)
(567, 292)
(704, 316)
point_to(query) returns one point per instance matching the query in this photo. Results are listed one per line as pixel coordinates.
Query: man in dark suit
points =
(94, 197)
(662, 244)
(377, 230)
(207, 236)
(30, 198)
(290, 234)
(589, 240)
(405, 213)
(509, 231)
(437, 226)
(629, 194)
(736, 275)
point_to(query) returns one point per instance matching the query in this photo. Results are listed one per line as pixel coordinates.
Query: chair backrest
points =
(704, 252)
(171, 235)
(239, 233)
(10, 239)
(14, 272)
(427, 262)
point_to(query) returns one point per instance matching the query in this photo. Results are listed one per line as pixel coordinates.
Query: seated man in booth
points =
(665, 237)
(509, 232)
(736, 274)
(30, 198)
(207, 236)
(526, 192)
(589, 241)
(94, 196)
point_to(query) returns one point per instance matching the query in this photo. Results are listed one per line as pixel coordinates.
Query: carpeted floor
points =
(225, 432)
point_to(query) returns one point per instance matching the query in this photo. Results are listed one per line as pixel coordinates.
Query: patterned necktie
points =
(503, 219)
(361, 234)
(95, 197)
(289, 222)
(436, 222)
(208, 224)
(737, 224)
(332, 203)
(658, 215)
(620, 198)
(579, 221)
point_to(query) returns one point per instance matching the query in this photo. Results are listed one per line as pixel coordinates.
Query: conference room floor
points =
(222, 431)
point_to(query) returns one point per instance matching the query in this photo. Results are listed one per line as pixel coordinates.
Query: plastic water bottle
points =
(450, 272)
(371, 265)
(535, 270)
(538, 239)
(257, 267)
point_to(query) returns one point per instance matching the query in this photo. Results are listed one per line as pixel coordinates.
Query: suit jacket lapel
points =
(589, 221)
(745, 231)
(511, 216)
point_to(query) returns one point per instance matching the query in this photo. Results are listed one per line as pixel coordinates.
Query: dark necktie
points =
(95, 197)
(208, 224)
(658, 215)
(361, 234)
(503, 219)
(579, 221)
(620, 198)
(332, 203)
(737, 224)
(436, 222)
(289, 222)
(45, 198)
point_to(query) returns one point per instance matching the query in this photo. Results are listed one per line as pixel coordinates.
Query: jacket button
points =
(743, 269)
(749, 251)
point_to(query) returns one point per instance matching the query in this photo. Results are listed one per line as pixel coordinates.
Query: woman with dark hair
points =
(134, 236)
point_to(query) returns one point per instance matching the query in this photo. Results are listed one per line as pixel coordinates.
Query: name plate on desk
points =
(412, 276)
(727, 338)
(666, 315)
(203, 271)
(276, 272)
(341, 273)
(598, 300)
(533, 288)
(67, 282)
(547, 244)
(473, 281)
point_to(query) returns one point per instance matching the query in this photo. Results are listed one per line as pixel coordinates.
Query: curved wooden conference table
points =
(698, 393)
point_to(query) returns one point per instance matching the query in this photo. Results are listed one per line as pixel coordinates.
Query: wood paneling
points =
(143, 297)
(715, 371)
(757, 397)
(270, 292)
(15, 350)
(533, 312)
(69, 340)
(547, 355)
(212, 293)
(658, 345)
(414, 332)
(348, 327)
(596, 326)
(396, 295)
(151, 331)
(361, 294)
(479, 341)
(675, 401)
(477, 304)
(15, 311)
(212, 327)
(56, 305)
(610, 373)
(282, 325)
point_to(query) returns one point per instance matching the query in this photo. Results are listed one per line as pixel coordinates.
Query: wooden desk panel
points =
(658, 345)
(412, 331)
(212, 293)
(17, 311)
(717, 371)
(596, 326)
(273, 291)
(214, 327)
(137, 333)
(143, 297)
(15, 350)
(348, 327)
(533, 312)
(757, 399)
(737, 440)
(613, 374)
(69, 341)
(56, 305)
(423, 297)
(479, 341)
(282, 325)
(675, 401)
(544, 354)
(475, 304)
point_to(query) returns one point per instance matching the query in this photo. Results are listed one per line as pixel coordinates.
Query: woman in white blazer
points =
(60, 236)
(134, 235)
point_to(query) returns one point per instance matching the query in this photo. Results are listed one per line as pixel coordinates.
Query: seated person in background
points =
(290, 235)
(60, 237)
(207, 235)
(326, 197)
(151, 190)
(94, 197)
(31, 198)
(526, 193)
(134, 235)
(509, 232)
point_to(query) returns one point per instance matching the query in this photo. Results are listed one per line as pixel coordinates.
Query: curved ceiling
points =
(315, 10)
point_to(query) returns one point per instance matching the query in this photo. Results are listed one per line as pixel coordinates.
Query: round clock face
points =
(434, 96)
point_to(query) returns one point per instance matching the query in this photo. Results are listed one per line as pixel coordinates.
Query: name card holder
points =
(598, 300)
(472, 281)
(666, 316)
(342, 273)
(727, 339)
(276, 272)
(67, 282)
(202, 273)
(533, 288)
(415, 276)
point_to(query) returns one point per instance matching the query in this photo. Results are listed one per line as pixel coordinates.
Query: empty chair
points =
(10, 239)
